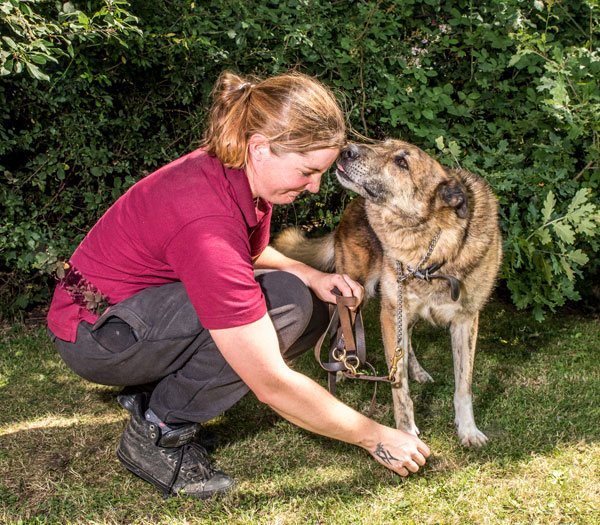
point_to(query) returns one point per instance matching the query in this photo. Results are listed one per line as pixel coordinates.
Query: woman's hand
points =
(319, 282)
(401, 452)
(323, 284)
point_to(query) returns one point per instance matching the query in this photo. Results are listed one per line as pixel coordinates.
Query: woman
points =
(175, 259)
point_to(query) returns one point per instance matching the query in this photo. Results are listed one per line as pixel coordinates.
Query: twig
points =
(587, 167)
(368, 21)
(364, 97)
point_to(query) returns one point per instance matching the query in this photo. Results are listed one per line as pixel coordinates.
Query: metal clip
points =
(398, 355)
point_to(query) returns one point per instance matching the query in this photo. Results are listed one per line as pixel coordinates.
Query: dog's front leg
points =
(403, 405)
(415, 370)
(464, 341)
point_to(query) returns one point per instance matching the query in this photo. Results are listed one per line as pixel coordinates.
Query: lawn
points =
(536, 395)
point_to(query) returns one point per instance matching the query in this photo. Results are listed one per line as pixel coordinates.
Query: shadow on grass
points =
(69, 474)
(536, 388)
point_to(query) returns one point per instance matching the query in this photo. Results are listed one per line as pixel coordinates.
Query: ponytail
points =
(295, 112)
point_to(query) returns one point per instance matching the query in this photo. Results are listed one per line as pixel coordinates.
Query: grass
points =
(537, 397)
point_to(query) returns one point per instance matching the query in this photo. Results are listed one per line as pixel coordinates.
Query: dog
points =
(427, 232)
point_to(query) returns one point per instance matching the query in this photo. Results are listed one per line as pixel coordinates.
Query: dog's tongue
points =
(339, 167)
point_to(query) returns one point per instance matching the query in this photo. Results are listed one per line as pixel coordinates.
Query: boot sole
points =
(159, 485)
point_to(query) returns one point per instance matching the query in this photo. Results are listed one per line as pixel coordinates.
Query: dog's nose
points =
(350, 152)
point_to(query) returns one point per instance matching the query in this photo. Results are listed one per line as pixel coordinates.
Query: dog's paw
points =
(417, 372)
(472, 438)
(414, 430)
(409, 428)
(421, 376)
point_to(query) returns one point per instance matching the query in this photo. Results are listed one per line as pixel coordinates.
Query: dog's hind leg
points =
(415, 370)
(464, 340)
(403, 405)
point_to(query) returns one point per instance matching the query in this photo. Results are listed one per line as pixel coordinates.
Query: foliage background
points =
(96, 94)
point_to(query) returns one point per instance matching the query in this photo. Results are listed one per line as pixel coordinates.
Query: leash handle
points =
(340, 300)
(346, 354)
(342, 345)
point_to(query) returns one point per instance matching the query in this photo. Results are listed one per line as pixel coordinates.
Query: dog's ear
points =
(454, 195)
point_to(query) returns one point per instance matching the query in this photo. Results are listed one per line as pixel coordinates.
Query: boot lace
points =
(195, 466)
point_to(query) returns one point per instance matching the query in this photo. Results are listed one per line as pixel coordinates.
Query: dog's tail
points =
(318, 252)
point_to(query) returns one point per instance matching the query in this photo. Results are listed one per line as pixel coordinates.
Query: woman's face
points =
(281, 178)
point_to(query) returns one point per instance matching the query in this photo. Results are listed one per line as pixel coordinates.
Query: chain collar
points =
(400, 278)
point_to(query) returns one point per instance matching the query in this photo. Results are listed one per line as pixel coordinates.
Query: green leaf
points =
(587, 227)
(439, 142)
(546, 269)
(454, 148)
(35, 71)
(7, 68)
(548, 208)
(83, 19)
(544, 236)
(514, 59)
(41, 257)
(567, 268)
(11, 43)
(39, 59)
(580, 197)
(564, 231)
(68, 7)
(579, 257)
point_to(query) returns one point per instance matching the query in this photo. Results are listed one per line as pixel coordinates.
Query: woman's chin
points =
(287, 198)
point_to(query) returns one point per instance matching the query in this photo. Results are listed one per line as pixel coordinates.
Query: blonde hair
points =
(295, 112)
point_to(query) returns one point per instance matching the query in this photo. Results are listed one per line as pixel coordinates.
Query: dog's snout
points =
(350, 152)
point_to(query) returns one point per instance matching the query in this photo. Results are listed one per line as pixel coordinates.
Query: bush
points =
(495, 88)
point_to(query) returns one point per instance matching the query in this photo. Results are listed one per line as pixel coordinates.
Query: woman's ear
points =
(259, 148)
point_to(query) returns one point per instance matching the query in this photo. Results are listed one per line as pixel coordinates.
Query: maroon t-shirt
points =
(193, 221)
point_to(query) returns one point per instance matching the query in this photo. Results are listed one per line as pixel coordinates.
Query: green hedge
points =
(95, 95)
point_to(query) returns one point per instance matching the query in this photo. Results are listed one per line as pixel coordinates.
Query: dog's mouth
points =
(340, 168)
(348, 182)
(342, 175)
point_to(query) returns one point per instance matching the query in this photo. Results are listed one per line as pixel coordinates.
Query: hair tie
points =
(246, 84)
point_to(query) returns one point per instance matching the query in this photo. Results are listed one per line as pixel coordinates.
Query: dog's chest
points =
(433, 305)
(429, 300)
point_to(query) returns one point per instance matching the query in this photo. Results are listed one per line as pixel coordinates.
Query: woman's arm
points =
(321, 283)
(253, 352)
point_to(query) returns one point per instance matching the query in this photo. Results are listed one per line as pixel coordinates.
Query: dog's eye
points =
(401, 161)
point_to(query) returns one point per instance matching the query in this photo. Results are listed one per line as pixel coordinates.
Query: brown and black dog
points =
(409, 206)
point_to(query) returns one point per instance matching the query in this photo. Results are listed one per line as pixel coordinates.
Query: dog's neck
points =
(408, 241)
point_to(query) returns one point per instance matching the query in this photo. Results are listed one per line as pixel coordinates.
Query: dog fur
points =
(405, 199)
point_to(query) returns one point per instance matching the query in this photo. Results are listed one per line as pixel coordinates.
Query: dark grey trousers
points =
(155, 337)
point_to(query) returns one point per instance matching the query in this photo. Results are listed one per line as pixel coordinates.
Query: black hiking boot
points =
(172, 461)
(204, 437)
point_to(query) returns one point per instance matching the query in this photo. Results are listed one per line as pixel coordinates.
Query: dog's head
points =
(402, 177)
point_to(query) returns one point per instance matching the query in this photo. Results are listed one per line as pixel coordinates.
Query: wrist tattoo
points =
(384, 455)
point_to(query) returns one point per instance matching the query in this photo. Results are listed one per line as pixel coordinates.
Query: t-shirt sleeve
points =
(212, 258)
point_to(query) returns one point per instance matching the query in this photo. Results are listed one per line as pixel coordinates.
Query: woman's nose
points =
(314, 183)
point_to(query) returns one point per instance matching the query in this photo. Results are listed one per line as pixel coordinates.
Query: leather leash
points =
(347, 355)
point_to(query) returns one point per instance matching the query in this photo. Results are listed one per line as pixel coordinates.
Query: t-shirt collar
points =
(241, 186)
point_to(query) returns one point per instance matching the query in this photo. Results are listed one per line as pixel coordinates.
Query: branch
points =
(587, 167)
(368, 21)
